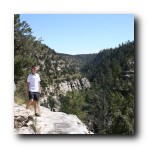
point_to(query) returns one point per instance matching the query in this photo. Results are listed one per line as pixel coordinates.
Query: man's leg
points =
(36, 108)
(30, 102)
(36, 104)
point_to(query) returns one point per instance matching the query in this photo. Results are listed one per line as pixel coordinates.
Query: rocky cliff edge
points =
(49, 123)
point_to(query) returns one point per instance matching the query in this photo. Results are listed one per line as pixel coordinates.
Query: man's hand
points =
(39, 92)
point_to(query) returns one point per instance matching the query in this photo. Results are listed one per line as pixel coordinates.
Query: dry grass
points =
(20, 100)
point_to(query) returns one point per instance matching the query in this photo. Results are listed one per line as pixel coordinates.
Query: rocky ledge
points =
(49, 123)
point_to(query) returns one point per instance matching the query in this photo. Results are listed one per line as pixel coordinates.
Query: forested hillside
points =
(98, 88)
(108, 106)
(79, 60)
(111, 98)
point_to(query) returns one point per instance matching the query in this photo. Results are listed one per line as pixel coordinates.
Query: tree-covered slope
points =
(79, 60)
(110, 102)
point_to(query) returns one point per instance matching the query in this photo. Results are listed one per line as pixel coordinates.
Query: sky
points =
(81, 33)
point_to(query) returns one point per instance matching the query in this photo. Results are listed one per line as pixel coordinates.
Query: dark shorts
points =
(34, 95)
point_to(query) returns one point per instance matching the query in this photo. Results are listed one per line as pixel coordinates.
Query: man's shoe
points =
(38, 115)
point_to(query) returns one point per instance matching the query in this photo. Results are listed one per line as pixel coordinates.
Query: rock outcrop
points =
(49, 123)
(76, 84)
(65, 86)
(53, 91)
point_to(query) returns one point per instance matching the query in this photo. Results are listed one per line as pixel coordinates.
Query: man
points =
(34, 90)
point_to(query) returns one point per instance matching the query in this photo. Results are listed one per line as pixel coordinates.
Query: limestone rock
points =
(64, 87)
(85, 83)
(49, 123)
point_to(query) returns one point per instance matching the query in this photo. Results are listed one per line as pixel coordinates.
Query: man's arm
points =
(39, 87)
(28, 83)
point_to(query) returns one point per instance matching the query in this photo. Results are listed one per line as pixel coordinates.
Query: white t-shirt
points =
(34, 82)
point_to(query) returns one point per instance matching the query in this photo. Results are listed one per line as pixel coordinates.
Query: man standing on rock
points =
(34, 90)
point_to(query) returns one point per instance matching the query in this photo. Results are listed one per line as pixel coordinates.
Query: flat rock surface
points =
(49, 123)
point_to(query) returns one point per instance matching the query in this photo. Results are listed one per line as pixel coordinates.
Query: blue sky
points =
(81, 33)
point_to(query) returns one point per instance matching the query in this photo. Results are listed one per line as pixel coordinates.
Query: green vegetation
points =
(112, 77)
(78, 61)
(20, 96)
(74, 103)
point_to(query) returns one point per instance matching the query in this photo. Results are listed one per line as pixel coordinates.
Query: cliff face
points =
(49, 123)
(65, 86)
